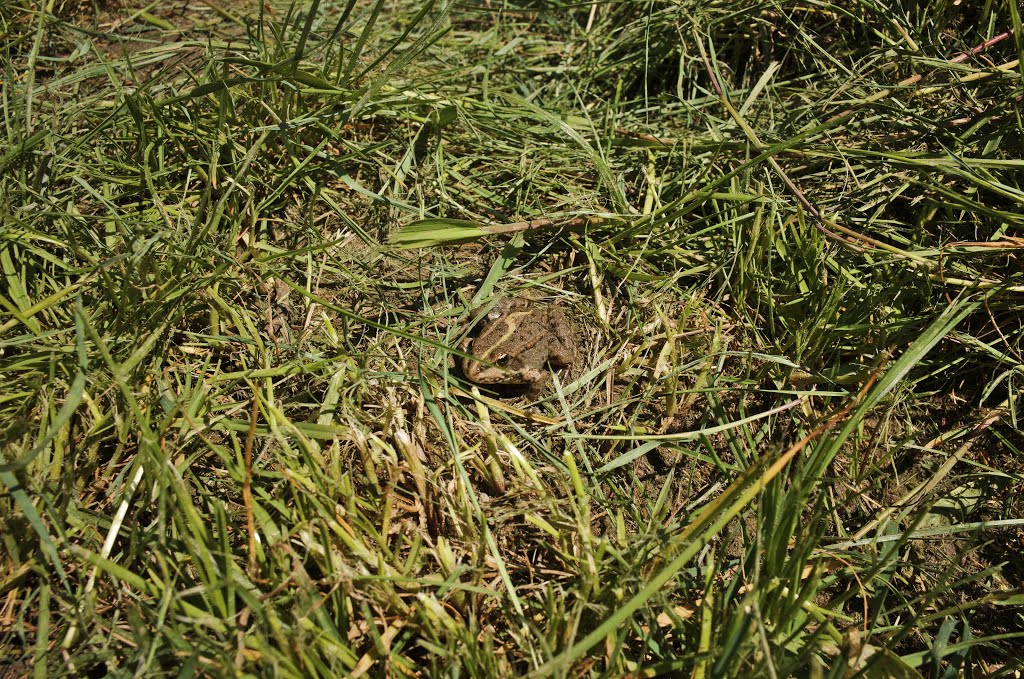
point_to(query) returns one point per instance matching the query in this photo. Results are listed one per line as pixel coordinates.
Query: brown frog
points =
(520, 340)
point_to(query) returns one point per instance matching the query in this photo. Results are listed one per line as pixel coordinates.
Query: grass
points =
(242, 247)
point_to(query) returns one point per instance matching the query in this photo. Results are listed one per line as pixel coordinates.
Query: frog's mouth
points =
(509, 386)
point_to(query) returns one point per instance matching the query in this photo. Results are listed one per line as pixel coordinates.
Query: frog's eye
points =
(494, 314)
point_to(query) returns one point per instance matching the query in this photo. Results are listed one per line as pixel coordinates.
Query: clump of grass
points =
(242, 250)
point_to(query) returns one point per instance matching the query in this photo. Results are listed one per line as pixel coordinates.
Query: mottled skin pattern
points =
(521, 340)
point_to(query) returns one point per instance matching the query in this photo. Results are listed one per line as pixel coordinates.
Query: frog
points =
(518, 340)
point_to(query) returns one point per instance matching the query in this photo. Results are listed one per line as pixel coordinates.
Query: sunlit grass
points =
(241, 250)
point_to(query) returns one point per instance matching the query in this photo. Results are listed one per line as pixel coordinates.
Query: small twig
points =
(964, 56)
(541, 223)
